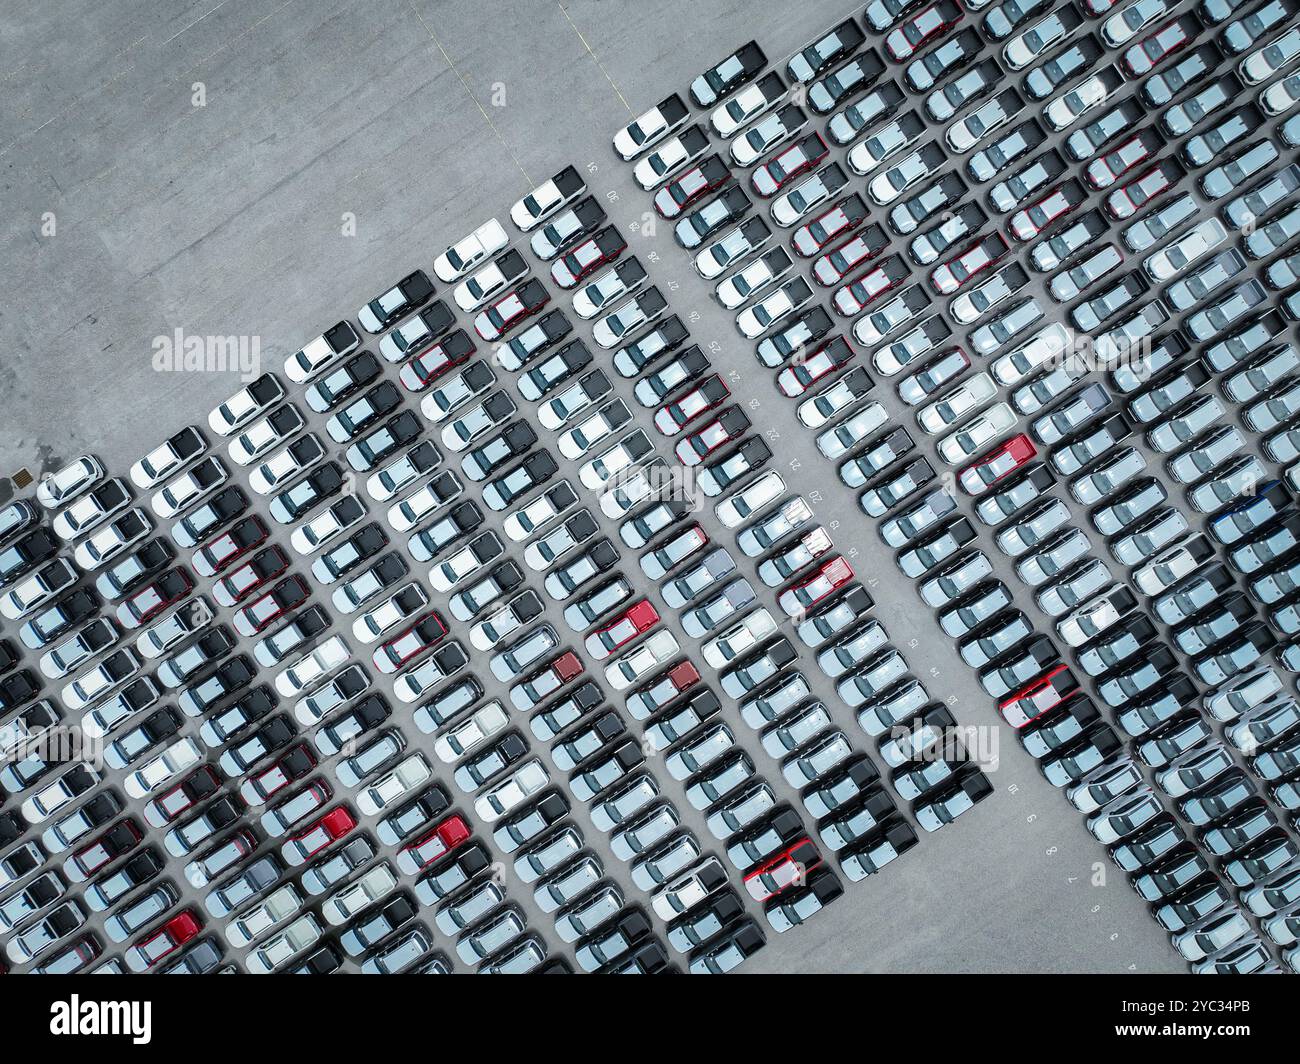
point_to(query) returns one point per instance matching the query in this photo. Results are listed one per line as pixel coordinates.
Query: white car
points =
(265, 433)
(641, 661)
(110, 673)
(464, 255)
(107, 542)
(94, 638)
(310, 668)
(754, 321)
(968, 396)
(579, 440)
(751, 630)
(191, 486)
(607, 286)
(457, 568)
(472, 293)
(61, 487)
(38, 588)
(532, 515)
(619, 323)
(91, 510)
(321, 352)
(168, 457)
(687, 889)
(647, 130)
(512, 792)
(548, 198)
(1264, 62)
(246, 404)
(408, 774)
(279, 949)
(671, 157)
(401, 473)
(750, 500)
(471, 733)
(1044, 346)
(977, 434)
(608, 465)
(55, 796)
(763, 136)
(1196, 243)
(371, 886)
(286, 464)
(266, 915)
(336, 519)
(1281, 97)
(746, 105)
(160, 769)
(417, 507)
(1123, 26)
(737, 289)
(406, 601)
(455, 391)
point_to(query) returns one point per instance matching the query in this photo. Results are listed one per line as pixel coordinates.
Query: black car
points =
(410, 292)
(318, 485)
(725, 77)
(220, 509)
(26, 553)
(357, 548)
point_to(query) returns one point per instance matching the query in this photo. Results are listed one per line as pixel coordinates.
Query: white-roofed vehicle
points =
(321, 352)
(61, 487)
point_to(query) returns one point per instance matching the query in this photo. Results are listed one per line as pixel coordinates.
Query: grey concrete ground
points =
(260, 169)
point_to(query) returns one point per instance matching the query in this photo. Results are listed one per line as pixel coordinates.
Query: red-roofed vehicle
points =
(998, 464)
(636, 620)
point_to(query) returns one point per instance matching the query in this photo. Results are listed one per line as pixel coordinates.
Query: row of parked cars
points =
(1084, 436)
(682, 716)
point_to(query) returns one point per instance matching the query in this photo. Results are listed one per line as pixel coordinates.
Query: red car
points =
(334, 825)
(1145, 56)
(218, 553)
(663, 689)
(568, 666)
(153, 948)
(120, 839)
(692, 186)
(1125, 202)
(1028, 223)
(949, 276)
(150, 601)
(798, 377)
(636, 620)
(710, 393)
(426, 368)
(1105, 171)
(295, 765)
(284, 598)
(911, 36)
(265, 567)
(1039, 696)
(437, 844)
(726, 428)
(835, 265)
(198, 786)
(590, 255)
(423, 635)
(506, 313)
(999, 463)
(856, 296)
(799, 158)
(788, 868)
(826, 579)
(841, 220)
